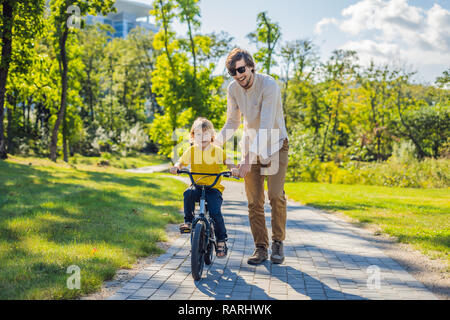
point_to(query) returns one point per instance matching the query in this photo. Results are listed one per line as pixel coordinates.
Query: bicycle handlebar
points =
(226, 174)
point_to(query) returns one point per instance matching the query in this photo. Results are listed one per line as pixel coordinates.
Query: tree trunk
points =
(166, 43)
(336, 124)
(194, 56)
(10, 112)
(62, 109)
(91, 95)
(125, 91)
(322, 155)
(66, 157)
(6, 34)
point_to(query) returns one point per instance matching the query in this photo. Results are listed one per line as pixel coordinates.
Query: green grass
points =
(115, 161)
(100, 219)
(420, 217)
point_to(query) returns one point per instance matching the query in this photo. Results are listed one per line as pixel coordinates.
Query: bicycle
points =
(203, 240)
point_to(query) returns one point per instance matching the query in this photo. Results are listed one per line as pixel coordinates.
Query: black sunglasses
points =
(240, 70)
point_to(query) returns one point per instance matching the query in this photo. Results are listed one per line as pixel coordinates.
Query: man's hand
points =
(173, 170)
(235, 172)
(244, 168)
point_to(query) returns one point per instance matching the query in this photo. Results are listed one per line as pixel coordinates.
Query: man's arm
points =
(233, 121)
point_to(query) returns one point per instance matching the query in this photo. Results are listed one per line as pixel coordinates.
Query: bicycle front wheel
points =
(198, 250)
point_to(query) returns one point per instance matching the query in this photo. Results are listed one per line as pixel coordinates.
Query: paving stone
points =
(144, 292)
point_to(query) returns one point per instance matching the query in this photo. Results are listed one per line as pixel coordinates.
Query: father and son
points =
(265, 154)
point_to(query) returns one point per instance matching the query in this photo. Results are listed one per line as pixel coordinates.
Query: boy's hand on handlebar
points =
(235, 172)
(173, 170)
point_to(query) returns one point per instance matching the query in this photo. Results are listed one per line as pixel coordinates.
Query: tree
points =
(374, 110)
(444, 80)
(20, 21)
(92, 39)
(61, 14)
(426, 125)
(266, 38)
(141, 44)
(190, 14)
(183, 85)
(300, 63)
(338, 72)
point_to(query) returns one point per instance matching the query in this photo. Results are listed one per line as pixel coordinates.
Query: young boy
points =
(205, 157)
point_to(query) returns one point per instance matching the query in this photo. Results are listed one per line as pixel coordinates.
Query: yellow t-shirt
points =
(210, 160)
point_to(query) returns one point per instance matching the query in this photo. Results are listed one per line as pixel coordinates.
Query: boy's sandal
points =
(221, 249)
(185, 227)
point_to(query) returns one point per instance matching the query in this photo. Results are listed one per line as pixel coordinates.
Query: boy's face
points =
(202, 138)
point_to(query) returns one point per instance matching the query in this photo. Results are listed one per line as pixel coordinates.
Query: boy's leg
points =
(190, 196)
(214, 200)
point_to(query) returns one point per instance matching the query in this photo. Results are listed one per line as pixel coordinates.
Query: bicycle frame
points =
(202, 211)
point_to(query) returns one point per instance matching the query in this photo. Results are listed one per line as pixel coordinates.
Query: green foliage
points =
(431, 126)
(184, 86)
(341, 117)
(266, 38)
(402, 169)
(444, 80)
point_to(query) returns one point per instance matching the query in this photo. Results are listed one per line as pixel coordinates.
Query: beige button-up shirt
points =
(264, 126)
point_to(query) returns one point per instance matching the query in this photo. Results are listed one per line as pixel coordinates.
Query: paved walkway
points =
(325, 259)
(151, 169)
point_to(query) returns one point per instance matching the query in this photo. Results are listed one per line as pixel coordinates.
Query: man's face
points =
(245, 79)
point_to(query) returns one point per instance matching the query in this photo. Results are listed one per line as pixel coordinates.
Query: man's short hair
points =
(237, 54)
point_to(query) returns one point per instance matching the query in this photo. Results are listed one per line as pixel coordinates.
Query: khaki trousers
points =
(254, 188)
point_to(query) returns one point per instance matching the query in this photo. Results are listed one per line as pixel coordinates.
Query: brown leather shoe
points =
(277, 255)
(258, 256)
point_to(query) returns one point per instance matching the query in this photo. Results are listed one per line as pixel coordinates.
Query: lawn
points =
(56, 215)
(109, 160)
(420, 217)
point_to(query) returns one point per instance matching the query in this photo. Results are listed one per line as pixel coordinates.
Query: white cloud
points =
(384, 30)
(322, 23)
(367, 49)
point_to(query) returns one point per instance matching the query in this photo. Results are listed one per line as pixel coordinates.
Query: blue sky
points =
(414, 33)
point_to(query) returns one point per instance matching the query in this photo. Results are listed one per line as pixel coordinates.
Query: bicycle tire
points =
(197, 250)
(210, 247)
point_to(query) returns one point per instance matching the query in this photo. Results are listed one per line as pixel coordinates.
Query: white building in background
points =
(129, 15)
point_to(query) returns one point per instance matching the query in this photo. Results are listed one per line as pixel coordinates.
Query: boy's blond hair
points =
(205, 125)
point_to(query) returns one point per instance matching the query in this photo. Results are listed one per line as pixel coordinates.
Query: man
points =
(265, 149)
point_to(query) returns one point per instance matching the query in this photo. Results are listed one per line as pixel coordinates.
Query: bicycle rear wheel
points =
(198, 250)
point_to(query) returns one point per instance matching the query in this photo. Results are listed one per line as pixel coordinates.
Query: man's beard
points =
(247, 84)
